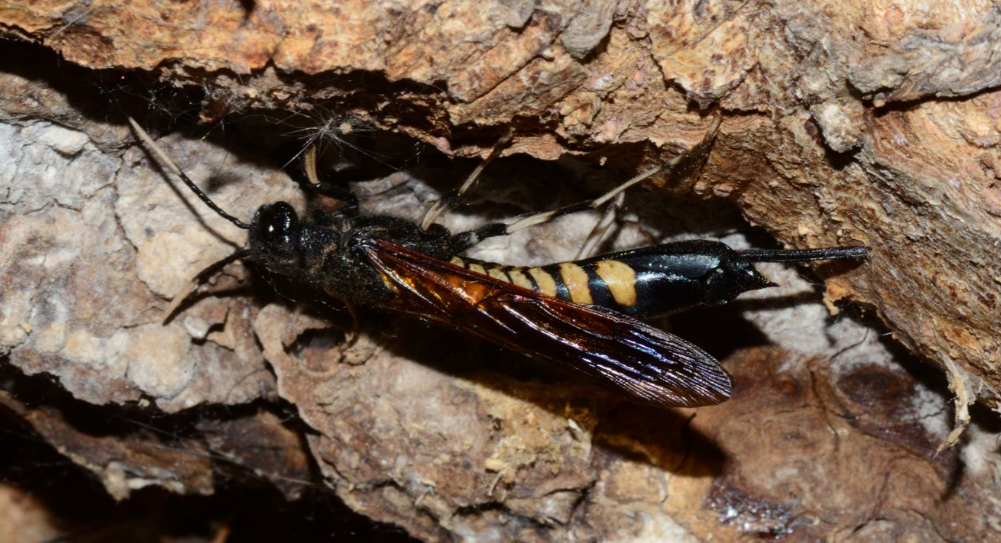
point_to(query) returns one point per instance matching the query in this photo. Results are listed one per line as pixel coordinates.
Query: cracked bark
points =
(844, 124)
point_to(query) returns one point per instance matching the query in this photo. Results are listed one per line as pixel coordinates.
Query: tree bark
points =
(824, 124)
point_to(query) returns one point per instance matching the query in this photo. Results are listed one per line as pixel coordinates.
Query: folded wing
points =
(609, 349)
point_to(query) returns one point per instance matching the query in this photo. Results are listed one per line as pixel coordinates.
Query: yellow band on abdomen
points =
(620, 280)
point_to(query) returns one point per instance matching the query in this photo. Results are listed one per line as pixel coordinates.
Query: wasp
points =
(583, 317)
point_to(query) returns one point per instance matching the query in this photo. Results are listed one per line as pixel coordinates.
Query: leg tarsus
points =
(465, 240)
(198, 280)
(351, 336)
(600, 229)
(325, 188)
(452, 198)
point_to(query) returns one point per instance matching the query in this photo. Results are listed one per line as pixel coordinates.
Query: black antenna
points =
(166, 161)
(804, 255)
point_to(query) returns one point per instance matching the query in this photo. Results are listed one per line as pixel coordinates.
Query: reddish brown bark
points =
(838, 124)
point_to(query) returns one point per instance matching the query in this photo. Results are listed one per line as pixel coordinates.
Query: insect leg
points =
(200, 279)
(330, 190)
(452, 198)
(351, 336)
(465, 240)
(600, 229)
(539, 218)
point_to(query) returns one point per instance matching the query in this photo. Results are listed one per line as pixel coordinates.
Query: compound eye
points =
(277, 224)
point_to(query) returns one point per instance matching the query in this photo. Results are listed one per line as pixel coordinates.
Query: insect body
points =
(654, 281)
(579, 316)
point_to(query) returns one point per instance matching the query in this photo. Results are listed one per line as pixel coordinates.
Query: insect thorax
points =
(326, 251)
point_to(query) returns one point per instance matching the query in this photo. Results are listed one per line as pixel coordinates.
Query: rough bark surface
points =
(826, 123)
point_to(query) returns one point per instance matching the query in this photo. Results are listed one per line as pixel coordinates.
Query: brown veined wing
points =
(609, 349)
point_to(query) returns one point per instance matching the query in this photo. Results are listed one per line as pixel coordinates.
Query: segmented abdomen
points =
(606, 283)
